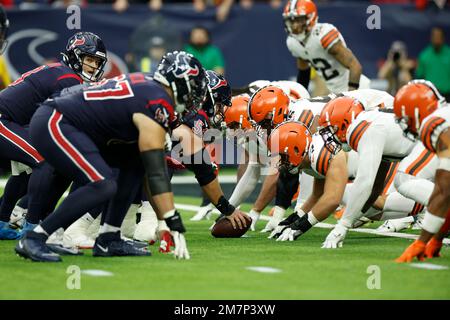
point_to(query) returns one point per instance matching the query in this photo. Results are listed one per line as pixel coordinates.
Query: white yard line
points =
(326, 225)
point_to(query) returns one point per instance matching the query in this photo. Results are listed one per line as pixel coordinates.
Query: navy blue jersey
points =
(20, 99)
(198, 121)
(104, 110)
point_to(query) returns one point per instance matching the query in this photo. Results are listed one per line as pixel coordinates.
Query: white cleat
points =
(417, 225)
(203, 213)
(56, 237)
(395, 225)
(129, 223)
(78, 235)
(18, 216)
(146, 229)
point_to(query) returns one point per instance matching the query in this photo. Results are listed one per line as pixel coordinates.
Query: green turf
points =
(217, 270)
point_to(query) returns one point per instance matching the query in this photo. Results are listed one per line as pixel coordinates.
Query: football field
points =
(224, 269)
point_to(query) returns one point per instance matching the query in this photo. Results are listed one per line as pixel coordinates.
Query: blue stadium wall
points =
(253, 41)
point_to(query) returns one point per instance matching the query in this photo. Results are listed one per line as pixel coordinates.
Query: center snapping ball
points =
(224, 229)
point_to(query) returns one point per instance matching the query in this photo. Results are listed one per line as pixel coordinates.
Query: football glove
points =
(181, 250)
(278, 230)
(433, 248)
(335, 238)
(165, 242)
(255, 217)
(416, 249)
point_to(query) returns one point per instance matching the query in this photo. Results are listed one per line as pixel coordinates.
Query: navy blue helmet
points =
(219, 96)
(85, 44)
(184, 74)
(4, 25)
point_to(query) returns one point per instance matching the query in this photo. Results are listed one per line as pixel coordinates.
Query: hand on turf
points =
(335, 238)
(181, 250)
(271, 224)
(416, 249)
(254, 215)
(289, 234)
(238, 219)
(433, 248)
(166, 242)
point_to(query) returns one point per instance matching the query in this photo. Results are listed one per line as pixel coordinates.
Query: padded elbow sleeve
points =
(156, 171)
(287, 186)
(201, 165)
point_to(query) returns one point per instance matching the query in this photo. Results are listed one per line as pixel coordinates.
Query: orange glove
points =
(416, 249)
(433, 247)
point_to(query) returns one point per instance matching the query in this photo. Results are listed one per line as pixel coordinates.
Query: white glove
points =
(289, 235)
(203, 212)
(181, 250)
(277, 217)
(254, 215)
(335, 238)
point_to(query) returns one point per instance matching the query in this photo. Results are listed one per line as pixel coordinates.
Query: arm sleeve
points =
(246, 184)
(287, 186)
(370, 151)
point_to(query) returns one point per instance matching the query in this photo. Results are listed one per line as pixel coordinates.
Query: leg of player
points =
(73, 153)
(439, 202)
(151, 145)
(15, 145)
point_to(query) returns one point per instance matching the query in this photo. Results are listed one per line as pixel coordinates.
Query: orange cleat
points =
(433, 248)
(416, 249)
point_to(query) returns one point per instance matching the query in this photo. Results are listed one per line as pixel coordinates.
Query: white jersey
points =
(304, 110)
(374, 135)
(315, 50)
(433, 125)
(372, 127)
(293, 89)
(320, 158)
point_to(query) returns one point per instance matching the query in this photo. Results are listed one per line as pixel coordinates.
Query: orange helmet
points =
(338, 114)
(268, 106)
(295, 9)
(291, 141)
(414, 102)
(236, 114)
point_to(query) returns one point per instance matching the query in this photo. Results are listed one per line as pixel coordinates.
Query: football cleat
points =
(33, 247)
(110, 244)
(8, 233)
(18, 216)
(56, 244)
(418, 219)
(77, 235)
(129, 222)
(146, 228)
(27, 226)
(395, 225)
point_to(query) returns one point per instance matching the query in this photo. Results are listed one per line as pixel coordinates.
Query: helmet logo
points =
(221, 83)
(77, 42)
(182, 67)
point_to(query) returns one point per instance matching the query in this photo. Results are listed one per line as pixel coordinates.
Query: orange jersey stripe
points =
(326, 45)
(319, 160)
(427, 132)
(422, 160)
(326, 163)
(390, 176)
(330, 35)
(356, 135)
(306, 117)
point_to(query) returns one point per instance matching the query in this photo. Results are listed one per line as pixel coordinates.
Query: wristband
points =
(224, 206)
(353, 84)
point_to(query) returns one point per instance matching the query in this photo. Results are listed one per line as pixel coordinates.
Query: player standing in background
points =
(322, 46)
(83, 60)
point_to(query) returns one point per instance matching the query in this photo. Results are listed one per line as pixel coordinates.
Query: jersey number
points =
(115, 88)
(324, 67)
(26, 74)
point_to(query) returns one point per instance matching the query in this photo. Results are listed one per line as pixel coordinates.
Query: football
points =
(224, 229)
